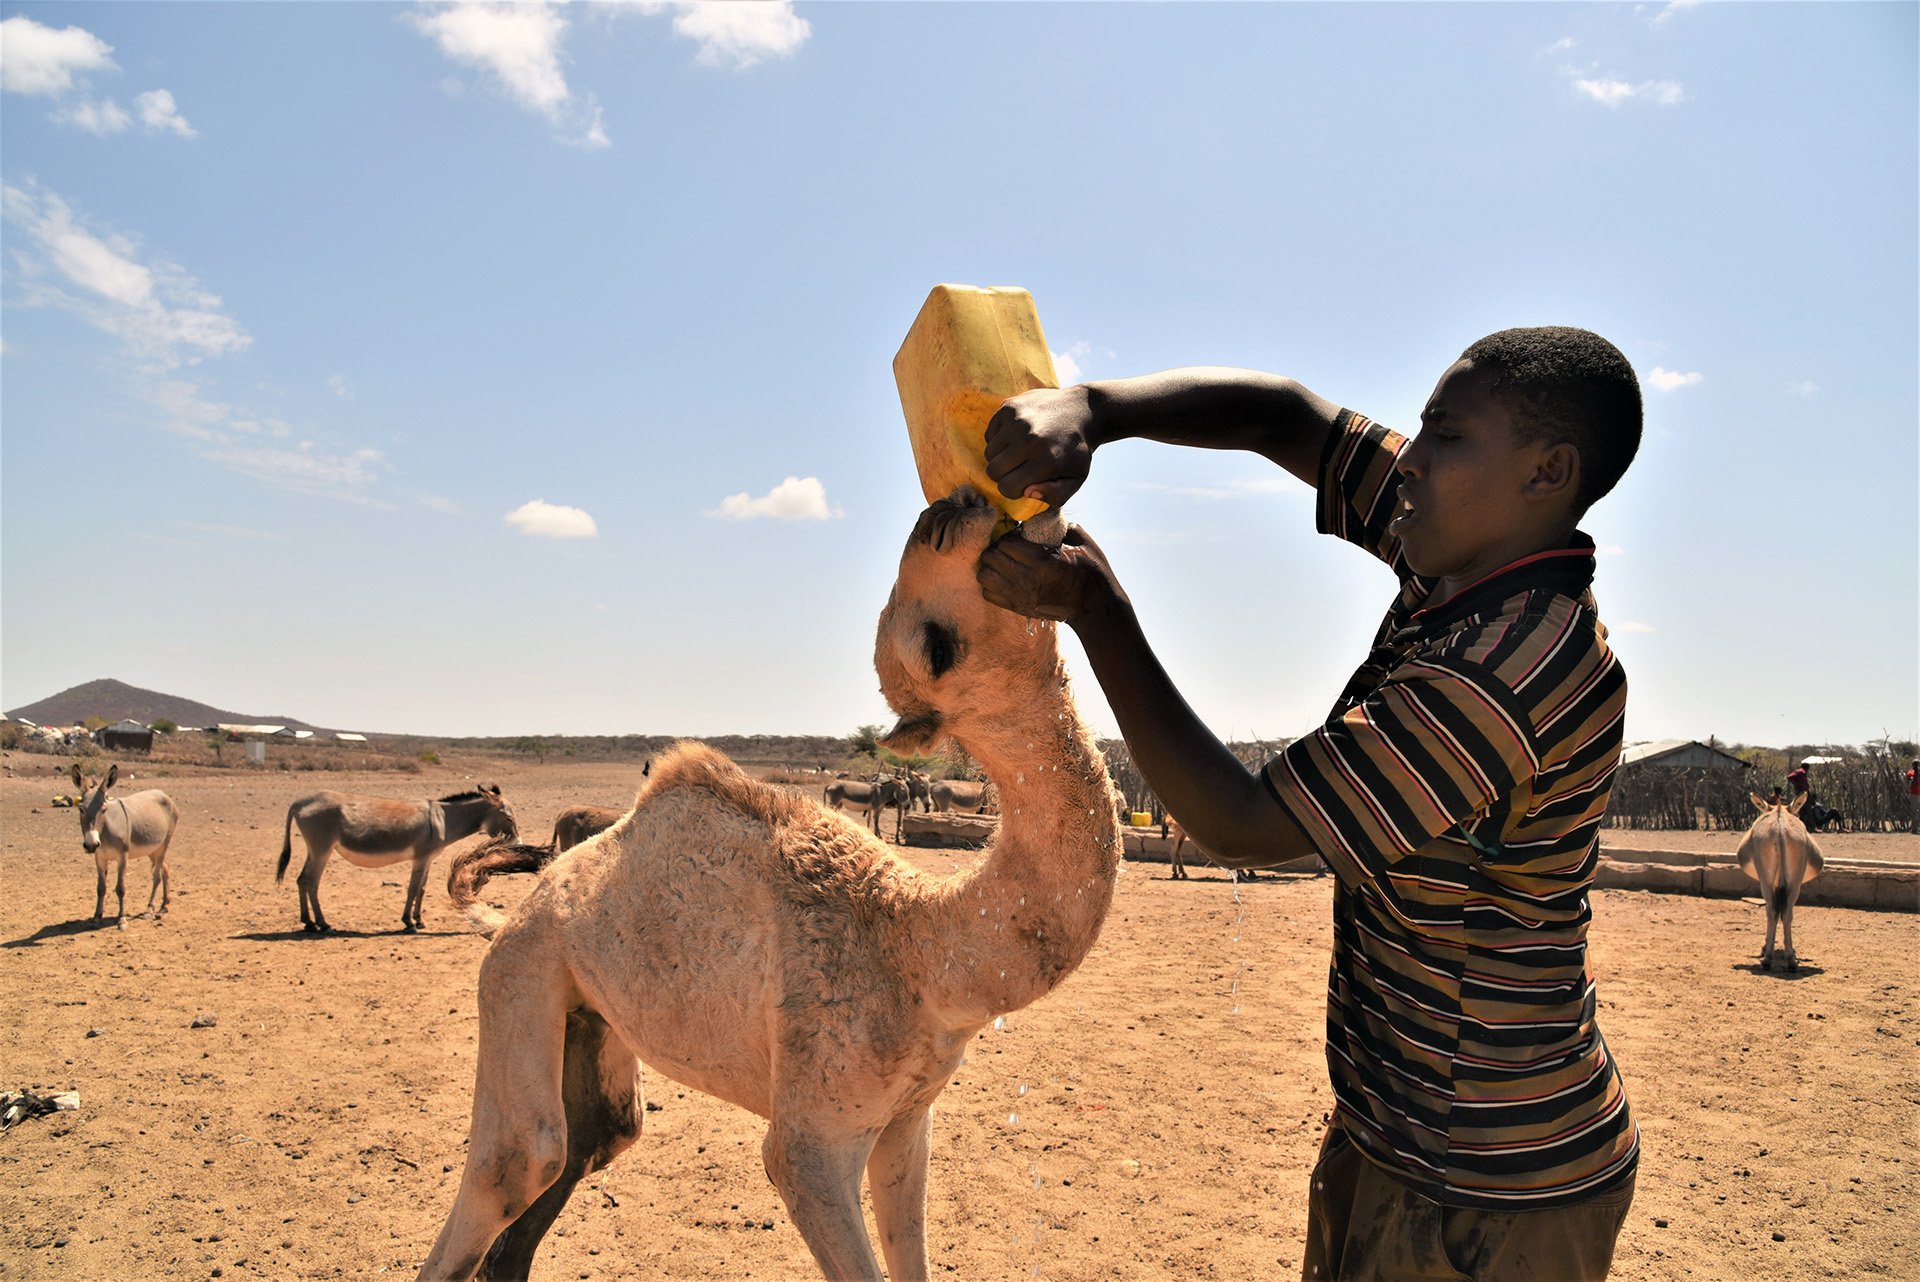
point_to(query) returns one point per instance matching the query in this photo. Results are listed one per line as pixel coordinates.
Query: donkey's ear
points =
(113, 772)
(1798, 802)
(78, 782)
(1759, 801)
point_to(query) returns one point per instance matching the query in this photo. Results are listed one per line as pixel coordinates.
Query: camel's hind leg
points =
(603, 1119)
(897, 1178)
(517, 1144)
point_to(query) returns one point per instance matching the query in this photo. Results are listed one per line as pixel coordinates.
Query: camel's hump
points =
(690, 764)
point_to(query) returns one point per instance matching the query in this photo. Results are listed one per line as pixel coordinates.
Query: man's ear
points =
(1556, 472)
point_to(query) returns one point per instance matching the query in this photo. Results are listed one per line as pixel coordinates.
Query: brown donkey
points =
(373, 832)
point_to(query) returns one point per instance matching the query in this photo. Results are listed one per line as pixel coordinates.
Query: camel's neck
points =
(1007, 935)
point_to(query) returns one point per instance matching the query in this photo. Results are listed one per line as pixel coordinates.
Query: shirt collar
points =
(1566, 571)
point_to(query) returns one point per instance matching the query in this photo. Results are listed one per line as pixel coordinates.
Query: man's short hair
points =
(1565, 384)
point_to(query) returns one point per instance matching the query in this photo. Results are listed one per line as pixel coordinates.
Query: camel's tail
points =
(286, 848)
(472, 869)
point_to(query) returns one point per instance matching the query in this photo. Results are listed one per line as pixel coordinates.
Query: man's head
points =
(1557, 384)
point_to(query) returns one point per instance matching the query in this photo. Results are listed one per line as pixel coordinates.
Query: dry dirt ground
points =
(1155, 1117)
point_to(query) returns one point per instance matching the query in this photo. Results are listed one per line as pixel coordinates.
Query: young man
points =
(1456, 789)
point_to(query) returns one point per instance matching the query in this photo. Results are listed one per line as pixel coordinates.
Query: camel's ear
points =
(1798, 802)
(915, 734)
(113, 772)
(1760, 802)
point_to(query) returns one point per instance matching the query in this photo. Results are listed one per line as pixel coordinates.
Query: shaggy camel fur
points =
(1778, 853)
(749, 943)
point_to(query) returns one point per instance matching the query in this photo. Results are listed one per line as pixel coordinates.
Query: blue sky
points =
(500, 370)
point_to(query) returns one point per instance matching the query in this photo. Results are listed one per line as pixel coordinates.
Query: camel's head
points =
(947, 659)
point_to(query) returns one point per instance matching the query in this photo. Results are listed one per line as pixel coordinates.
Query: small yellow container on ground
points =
(970, 348)
(1142, 819)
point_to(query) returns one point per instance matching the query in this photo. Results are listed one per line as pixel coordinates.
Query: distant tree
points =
(866, 742)
(217, 740)
(165, 725)
(533, 746)
(94, 723)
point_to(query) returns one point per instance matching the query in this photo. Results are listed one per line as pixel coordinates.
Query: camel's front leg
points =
(897, 1178)
(819, 1180)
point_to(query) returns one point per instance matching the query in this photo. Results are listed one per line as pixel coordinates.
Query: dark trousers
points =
(1365, 1226)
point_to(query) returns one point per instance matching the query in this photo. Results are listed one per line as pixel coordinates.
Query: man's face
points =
(1464, 478)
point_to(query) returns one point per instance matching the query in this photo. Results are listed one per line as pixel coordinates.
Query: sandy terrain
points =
(1144, 1121)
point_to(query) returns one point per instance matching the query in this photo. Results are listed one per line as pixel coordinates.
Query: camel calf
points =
(1778, 853)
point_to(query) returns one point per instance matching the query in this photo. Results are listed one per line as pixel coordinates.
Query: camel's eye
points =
(942, 646)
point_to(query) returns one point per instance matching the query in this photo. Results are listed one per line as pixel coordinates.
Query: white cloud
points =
(520, 46)
(340, 386)
(1610, 92)
(552, 521)
(1668, 10)
(167, 323)
(794, 499)
(518, 43)
(1067, 364)
(1561, 45)
(40, 60)
(1805, 387)
(158, 309)
(157, 113)
(107, 117)
(740, 32)
(1668, 380)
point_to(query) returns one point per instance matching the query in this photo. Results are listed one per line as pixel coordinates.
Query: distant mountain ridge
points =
(118, 701)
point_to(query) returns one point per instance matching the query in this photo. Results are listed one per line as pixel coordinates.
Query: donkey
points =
(961, 794)
(870, 797)
(919, 791)
(372, 832)
(581, 822)
(141, 826)
(1778, 853)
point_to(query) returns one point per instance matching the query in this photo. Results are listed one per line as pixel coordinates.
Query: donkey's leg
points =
(1773, 920)
(165, 875)
(517, 1143)
(416, 894)
(603, 1119)
(309, 883)
(100, 883)
(1786, 931)
(897, 1178)
(120, 887)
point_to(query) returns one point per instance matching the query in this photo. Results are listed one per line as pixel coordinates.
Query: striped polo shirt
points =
(1456, 790)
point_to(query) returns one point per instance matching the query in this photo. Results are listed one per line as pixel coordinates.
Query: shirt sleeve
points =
(1438, 743)
(1359, 488)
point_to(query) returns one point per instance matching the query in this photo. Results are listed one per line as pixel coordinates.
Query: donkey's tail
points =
(1779, 895)
(286, 847)
(472, 869)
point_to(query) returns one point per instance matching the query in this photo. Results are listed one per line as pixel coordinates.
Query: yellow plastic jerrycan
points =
(970, 348)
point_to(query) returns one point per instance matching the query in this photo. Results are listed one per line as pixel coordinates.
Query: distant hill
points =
(116, 701)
